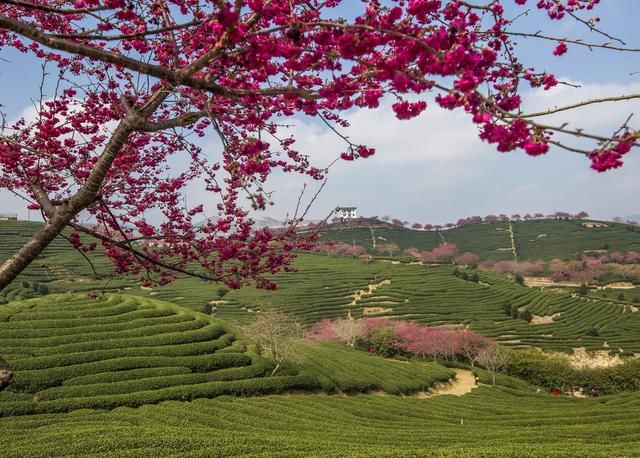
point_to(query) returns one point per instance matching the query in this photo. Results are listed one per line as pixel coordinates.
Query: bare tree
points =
(492, 359)
(470, 344)
(389, 248)
(348, 331)
(274, 332)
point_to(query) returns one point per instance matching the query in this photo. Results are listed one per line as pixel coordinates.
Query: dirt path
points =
(513, 242)
(365, 292)
(373, 238)
(464, 382)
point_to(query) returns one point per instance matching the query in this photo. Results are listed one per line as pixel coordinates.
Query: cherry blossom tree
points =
(467, 259)
(130, 87)
(355, 250)
(444, 253)
(346, 330)
(372, 325)
(323, 330)
(416, 226)
(470, 344)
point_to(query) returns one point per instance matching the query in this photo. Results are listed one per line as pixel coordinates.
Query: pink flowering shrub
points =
(409, 337)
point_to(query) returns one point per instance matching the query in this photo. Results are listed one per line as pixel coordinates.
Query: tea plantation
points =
(543, 239)
(70, 352)
(325, 287)
(106, 368)
(488, 422)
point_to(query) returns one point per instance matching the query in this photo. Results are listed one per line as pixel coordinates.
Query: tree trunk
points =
(493, 376)
(60, 216)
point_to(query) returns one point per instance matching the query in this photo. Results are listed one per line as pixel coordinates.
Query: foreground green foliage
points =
(555, 370)
(339, 367)
(495, 422)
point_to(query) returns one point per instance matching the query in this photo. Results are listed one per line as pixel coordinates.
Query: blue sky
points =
(434, 169)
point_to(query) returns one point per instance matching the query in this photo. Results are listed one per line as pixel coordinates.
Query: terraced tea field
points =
(535, 240)
(488, 422)
(70, 352)
(134, 375)
(325, 287)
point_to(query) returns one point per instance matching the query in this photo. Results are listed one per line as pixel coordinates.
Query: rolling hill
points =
(543, 239)
(105, 367)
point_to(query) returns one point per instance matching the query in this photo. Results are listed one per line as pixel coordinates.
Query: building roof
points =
(347, 208)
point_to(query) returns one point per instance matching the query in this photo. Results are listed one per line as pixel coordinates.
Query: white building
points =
(8, 217)
(346, 213)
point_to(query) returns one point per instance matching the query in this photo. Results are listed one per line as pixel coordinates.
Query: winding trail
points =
(365, 292)
(513, 242)
(464, 382)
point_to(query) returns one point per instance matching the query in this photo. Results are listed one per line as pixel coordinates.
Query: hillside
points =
(489, 422)
(70, 352)
(178, 382)
(325, 287)
(544, 239)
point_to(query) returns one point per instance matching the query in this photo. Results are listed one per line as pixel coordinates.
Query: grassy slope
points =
(324, 287)
(489, 421)
(71, 352)
(535, 240)
(511, 420)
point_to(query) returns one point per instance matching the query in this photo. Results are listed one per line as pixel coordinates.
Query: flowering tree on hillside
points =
(355, 250)
(129, 87)
(467, 259)
(426, 341)
(470, 344)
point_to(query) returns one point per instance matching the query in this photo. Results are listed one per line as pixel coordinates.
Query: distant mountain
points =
(262, 222)
(267, 221)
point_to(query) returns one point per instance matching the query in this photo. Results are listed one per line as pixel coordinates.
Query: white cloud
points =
(435, 169)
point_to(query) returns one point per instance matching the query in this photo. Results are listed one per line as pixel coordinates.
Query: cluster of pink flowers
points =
(519, 268)
(444, 253)
(340, 248)
(417, 339)
(168, 75)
